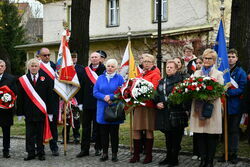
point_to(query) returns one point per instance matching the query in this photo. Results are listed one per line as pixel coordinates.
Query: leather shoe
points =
(104, 158)
(97, 152)
(29, 157)
(55, 153)
(6, 155)
(164, 162)
(82, 154)
(41, 157)
(114, 157)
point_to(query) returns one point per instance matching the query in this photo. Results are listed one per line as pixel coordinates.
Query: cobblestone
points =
(17, 153)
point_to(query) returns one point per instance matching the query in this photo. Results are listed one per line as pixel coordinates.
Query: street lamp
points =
(159, 56)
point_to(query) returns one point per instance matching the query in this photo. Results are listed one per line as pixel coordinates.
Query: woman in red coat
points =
(144, 116)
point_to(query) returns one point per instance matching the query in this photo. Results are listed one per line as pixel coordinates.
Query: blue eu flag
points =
(221, 49)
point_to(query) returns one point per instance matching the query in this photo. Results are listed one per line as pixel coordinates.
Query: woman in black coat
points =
(171, 119)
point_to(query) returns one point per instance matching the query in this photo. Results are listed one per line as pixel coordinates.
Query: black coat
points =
(80, 72)
(88, 100)
(6, 115)
(54, 94)
(26, 107)
(163, 116)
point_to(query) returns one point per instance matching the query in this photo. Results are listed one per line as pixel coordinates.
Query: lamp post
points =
(159, 56)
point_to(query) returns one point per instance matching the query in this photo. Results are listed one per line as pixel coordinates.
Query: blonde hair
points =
(32, 61)
(173, 62)
(151, 57)
(210, 52)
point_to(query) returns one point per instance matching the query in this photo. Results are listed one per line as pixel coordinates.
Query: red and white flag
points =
(128, 68)
(66, 81)
(234, 84)
(193, 66)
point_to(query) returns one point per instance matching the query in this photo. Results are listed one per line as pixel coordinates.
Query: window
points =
(163, 10)
(113, 13)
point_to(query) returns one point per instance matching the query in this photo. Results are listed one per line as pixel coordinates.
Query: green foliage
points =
(11, 34)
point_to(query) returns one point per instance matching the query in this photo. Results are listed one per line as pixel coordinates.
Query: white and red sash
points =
(38, 101)
(91, 74)
(48, 70)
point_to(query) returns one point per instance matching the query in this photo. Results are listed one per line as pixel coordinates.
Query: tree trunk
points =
(240, 31)
(79, 40)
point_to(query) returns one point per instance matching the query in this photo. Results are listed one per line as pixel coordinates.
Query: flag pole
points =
(222, 8)
(65, 128)
(131, 113)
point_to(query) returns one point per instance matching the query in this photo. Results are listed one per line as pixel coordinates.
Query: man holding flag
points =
(48, 68)
(234, 100)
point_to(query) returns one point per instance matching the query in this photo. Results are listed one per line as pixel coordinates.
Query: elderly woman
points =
(104, 89)
(144, 116)
(171, 119)
(207, 130)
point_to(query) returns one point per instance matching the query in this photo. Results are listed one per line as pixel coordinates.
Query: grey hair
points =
(32, 61)
(112, 61)
(2, 62)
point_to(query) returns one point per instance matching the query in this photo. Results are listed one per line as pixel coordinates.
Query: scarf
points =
(206, 71)
(109, 76)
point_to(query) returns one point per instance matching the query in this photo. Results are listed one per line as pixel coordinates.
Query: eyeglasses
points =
(208, 58)
(46, 55)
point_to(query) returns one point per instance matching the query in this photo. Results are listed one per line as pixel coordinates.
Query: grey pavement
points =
(17, 153)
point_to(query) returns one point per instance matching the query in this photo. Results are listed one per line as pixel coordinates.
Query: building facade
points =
(183, 22)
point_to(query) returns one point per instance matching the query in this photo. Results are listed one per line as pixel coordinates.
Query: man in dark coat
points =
(48, 68)
(90, 76)
(6, 115)
(31, 106)
(76, 115)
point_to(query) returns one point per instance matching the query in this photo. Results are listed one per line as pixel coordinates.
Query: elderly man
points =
(90, 76)
(103, 55)
(6, 115)
(48, 68)
(35, 103)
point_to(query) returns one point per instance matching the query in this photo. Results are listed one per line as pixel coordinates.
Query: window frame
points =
(116, 13)
(155, 7)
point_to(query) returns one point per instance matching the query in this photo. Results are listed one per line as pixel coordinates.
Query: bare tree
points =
(79, 40)
(240, 31)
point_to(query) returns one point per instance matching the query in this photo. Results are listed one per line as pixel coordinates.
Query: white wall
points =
(134, 13)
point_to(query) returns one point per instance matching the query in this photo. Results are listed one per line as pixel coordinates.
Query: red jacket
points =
(154, 77)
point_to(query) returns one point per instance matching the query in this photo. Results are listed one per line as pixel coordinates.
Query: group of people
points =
(39, 104)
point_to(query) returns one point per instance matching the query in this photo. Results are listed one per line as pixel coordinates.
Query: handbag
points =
(178, 119)
(207, 110)
(114, 113)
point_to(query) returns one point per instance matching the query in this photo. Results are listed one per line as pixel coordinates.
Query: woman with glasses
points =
(207, 130)
(144, 116)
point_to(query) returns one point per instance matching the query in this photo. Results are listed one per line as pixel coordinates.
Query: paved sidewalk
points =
(18, 153)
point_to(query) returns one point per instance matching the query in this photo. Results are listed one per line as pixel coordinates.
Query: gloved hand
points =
(80, 107)
(50, 117)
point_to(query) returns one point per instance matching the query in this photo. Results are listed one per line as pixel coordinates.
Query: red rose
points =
(200, 79)
(42, 78)
(199, 85)
(189, 87)
(209, 88)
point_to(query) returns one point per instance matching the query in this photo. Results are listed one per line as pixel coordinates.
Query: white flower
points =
(144, 89)
(197, 89)
(186, 90)
(206, 78)
(6, 97)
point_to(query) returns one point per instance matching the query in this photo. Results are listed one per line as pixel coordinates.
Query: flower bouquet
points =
(7, 97)
(199, 88)
(134, 92)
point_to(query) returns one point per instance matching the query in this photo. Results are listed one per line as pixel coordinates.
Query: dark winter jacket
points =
(165, 87)
(234, 95)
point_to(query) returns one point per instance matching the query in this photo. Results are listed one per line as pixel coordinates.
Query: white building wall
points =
(53, 16)
(137, 14)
